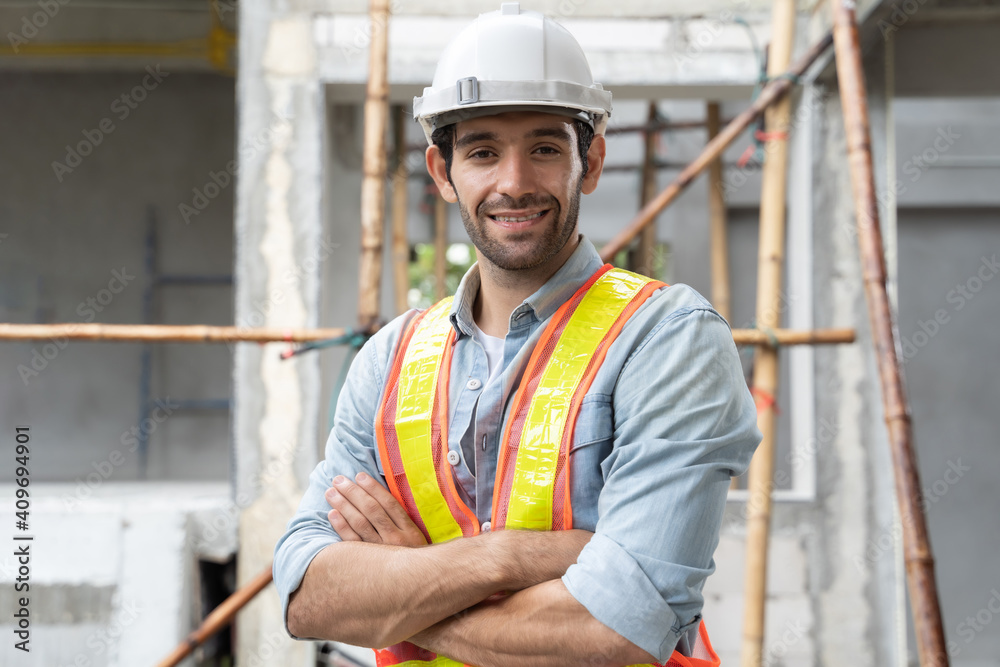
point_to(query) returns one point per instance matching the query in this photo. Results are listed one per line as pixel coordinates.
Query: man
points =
(563, 435)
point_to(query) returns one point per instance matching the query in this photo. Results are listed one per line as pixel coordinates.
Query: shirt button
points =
(473, 384)
(485, 528)
(453, 458)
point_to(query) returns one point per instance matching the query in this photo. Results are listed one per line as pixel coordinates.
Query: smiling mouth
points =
(526, 218)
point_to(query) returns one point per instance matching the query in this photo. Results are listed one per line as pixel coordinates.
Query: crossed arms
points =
(383, 585)
(576, 595)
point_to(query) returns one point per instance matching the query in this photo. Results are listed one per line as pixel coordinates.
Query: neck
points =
(501, 291)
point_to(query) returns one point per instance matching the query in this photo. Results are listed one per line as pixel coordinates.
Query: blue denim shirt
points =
(666, 423)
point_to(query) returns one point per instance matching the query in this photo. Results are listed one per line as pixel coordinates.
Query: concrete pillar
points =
(278, 259)
(854, 561)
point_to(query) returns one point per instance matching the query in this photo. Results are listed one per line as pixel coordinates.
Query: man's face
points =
(517, 178)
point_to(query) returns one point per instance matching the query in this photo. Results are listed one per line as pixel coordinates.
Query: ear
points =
(439, 172)
(595, 164)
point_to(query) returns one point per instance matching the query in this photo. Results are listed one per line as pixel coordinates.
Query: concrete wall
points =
(949, 239)
(70, 230)
(114, 576)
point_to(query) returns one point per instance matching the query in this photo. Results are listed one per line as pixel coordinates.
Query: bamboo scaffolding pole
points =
(218, 619)
(643, 258)
(197, 333)
(163, 333)
(770, 263)
(717, 223)
(374, 166)
(400, 242)
(928, 624)
(772, 92)
(440, 247)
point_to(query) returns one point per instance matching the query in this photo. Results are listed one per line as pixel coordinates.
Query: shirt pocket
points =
(594, 422)
(592, 443)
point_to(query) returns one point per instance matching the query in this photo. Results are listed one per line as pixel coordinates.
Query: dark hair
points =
(444, 139)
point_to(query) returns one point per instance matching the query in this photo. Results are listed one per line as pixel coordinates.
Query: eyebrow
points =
(475, 137)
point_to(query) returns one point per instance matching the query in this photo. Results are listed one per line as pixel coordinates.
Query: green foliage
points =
(459, 258)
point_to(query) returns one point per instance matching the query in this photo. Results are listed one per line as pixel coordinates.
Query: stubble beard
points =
(508, 258)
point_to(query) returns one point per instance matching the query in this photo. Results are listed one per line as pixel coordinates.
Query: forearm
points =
(542, 626)
(376, 595)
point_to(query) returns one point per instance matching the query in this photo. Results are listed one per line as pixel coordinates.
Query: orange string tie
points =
(290, 352)
(770, 136)
(747, 154)
(764, 400)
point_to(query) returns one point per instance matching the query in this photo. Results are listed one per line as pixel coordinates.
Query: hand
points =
(366, 512)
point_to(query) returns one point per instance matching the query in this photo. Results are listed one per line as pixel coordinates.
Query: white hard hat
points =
(512, 60)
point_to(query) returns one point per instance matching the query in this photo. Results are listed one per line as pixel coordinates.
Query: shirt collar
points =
(580, 266)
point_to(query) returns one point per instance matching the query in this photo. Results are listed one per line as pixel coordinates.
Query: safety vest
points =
(532, 488)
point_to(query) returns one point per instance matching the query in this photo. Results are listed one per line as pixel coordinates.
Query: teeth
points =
(503, 218)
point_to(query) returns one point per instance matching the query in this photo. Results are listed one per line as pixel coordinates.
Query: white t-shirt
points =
(494, 353)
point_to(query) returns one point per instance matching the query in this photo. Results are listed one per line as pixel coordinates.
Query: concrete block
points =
(77, 547)
(152, 609)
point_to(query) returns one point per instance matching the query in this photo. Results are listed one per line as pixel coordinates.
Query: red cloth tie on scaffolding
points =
(766, 400)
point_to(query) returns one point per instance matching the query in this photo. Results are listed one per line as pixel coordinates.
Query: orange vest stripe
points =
(532, 490)
(539, 358)
(385, 433)
(595, 364)
(412, 441)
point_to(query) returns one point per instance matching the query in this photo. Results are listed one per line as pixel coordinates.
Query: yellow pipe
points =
(214, 48)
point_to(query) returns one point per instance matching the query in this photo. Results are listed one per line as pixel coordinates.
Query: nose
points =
(515, 175)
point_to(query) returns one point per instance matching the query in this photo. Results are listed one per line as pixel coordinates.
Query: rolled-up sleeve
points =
(685, 423)
(350, 449)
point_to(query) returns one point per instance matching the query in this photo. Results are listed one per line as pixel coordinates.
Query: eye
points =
(548, 150)
(481, 154)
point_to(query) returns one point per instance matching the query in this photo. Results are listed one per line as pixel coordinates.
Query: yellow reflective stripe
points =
(439, 661)
(530, 505)
(418, 380)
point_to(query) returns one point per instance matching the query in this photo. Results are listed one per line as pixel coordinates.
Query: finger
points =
(354, 517)
(388, 502)
(343, 528)
(370, 508)
(409, 534)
